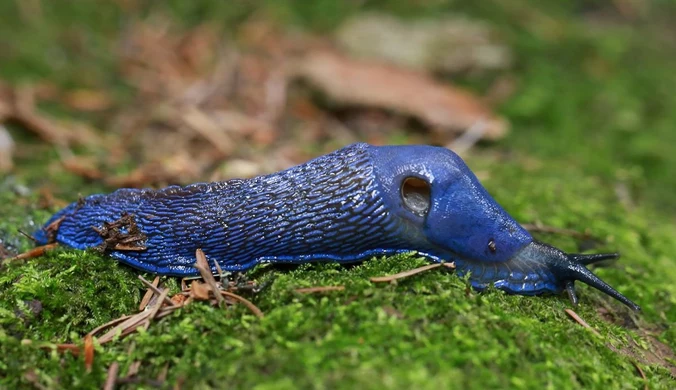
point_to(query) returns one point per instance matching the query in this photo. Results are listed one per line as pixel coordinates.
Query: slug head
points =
(434, 190)
(566, 268)
(436, 195)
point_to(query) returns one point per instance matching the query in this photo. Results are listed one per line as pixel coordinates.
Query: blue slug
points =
(357, 202)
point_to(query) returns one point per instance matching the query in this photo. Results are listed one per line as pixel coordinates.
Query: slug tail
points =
(48, 233)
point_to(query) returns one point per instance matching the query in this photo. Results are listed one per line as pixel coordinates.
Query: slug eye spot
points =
(491, 246)
(415, 193)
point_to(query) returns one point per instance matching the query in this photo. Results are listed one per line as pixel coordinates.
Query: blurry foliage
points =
(591, 81)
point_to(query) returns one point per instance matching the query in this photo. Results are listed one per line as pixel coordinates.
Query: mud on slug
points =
(357, 202)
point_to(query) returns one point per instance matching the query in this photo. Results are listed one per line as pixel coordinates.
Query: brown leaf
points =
(199, 291)
(372, 84)
(178, 299)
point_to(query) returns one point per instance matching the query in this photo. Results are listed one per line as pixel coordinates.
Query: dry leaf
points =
(199, 291)
(445, 44)
(441, 106)
(18, 104)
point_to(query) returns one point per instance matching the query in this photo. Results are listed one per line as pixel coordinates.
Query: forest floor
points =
(104, 95)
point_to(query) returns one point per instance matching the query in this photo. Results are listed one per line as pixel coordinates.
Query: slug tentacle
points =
(567, 268)
(577, 271)
(594, 258)
(357, 202)
(570, 289)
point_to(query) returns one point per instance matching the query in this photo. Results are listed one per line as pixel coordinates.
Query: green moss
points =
(429, 329)
(592, 112)
(69, 299)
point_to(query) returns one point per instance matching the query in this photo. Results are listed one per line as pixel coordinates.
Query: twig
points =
(640, 371)
(199, 291)
(219, 271)
(156, 307)
(130, 324)
(164, 306)
(469, 138)
(133, 369)
(111, 378)
(580, 321)
(152, 290)
(310, 290)
(198, 121)
(152, 287)
(165, 311)
(623, 350)
(415, 271)
(82, 168)
(61, 348)
(35, 252)
(108, 324)
(27, 235)
(202, 265)
(162, 376)
(254, 309)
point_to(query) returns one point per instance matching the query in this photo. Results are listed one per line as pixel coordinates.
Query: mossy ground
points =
(593, 111)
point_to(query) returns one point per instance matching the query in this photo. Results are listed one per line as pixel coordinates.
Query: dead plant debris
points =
(320, 289)
(111, 376)
(6, 149)
(448, 45)
(152, 292)
(84, 167)
(657, 354)
(580, 321)
(415, 271)
(32, 253)
(203, 267)
(372, 84)
(121, 235)
(156, 304)
(205, 107)
(52, 229)
(18, 105)
(88, 349)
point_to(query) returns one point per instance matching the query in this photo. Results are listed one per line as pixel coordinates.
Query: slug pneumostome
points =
(354, 203)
